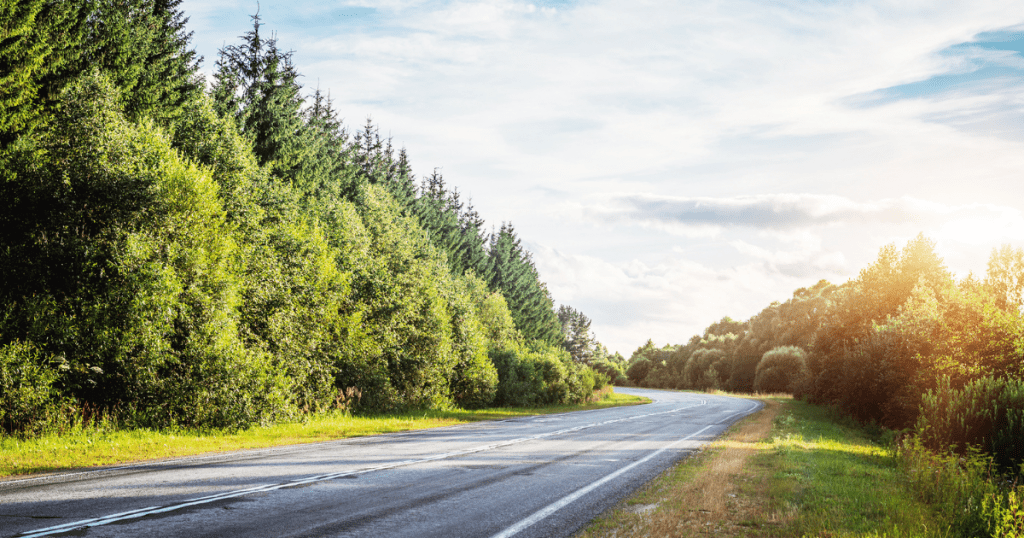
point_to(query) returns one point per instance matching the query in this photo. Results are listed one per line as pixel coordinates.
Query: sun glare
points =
(977, 231)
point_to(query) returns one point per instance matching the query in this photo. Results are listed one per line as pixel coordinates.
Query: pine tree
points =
(513, 273)
(328, 170)
(258, 85)
(576, 336)
(36, 39)
(170, 78)
(140, 45)
(378, 164)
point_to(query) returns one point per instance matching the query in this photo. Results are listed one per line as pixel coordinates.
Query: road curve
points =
(535, 476)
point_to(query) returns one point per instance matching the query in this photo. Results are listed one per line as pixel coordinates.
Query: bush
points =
(781, 370)
(706, 369)
(638, 370)
(542, 376)
(28, 401)
(987, 414)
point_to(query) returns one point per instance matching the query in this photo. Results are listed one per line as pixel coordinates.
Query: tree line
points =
(904, 346)
(182, 254)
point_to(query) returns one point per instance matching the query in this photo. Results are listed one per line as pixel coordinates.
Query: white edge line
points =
(561, 503)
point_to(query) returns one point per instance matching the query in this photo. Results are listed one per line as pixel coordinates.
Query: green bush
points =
(544, 375)
(987, 414)
(28, 400)
(782, 369)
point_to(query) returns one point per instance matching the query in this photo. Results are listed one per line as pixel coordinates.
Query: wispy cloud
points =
(784, 211)
(885, 118)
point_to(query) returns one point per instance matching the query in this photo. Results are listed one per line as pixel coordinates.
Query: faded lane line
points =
(748, 411)
(134, 514)
(561, 503)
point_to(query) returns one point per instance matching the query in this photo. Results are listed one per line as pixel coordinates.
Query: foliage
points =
(781, 370)
(541, 376)
(512, 272)
(986, 414)
(28, 400)
(576, 336)
(174, 258)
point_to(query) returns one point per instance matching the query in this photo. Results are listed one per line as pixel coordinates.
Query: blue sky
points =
(670, 164)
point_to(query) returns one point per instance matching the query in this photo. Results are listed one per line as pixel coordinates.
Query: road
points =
(542, 476)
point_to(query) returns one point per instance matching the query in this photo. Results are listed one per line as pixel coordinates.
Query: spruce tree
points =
(513, 273)
(258, 85)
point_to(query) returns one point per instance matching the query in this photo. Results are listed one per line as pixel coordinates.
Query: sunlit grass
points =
(103, 445)
(788, 471)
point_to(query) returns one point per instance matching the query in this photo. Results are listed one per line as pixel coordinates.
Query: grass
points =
(789, 470)
(102, 446)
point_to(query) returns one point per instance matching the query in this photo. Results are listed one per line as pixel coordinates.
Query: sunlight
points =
(979, 230)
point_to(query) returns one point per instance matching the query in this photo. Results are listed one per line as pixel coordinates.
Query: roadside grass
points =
(789, 470)
(102, 444)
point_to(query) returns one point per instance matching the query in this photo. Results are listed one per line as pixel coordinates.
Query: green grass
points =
(102, 445)
(790, 470)
(830, 478)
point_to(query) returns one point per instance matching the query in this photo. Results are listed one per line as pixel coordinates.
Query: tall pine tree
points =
(513, 273)
(257, 84)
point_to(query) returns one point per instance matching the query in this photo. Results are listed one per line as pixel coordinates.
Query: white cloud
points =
(641, 147)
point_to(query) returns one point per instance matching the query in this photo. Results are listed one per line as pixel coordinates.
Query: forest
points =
(183, 252)
(934, 362)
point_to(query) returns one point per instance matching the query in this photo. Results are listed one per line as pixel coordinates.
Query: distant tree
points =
(380, 164)
(454, 229)
(1005, 277)
(576, 336)
(781, 370)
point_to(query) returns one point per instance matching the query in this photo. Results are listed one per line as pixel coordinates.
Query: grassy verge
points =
(789, 470)
(98, 446)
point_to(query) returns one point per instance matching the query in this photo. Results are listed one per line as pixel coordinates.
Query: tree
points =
(513, 273)
(456, 230)
(576, 336)
(1005, 277)
(257, 84)
(140, 45)
(858, 305)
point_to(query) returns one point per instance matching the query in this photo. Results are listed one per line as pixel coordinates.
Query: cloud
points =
(884, 118)
(668, 300)
(782, 211)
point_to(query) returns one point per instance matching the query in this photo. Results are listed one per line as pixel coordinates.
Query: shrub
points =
(638, 371)
(28, 401)
(987, 414)
(781, 370)
(705, 368)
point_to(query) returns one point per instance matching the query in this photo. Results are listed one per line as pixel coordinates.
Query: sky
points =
(672, 163)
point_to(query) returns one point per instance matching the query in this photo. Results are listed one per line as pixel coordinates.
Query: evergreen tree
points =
(140, 45)
(378, 164)
(328, 171)
(258, 85)
(576, 336)
(513, 273)
(36, 39)
(452, 230)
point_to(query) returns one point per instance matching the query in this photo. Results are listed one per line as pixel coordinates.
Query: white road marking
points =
(564, 501)
(134, 514)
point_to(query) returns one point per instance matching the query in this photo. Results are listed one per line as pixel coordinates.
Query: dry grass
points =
(710, 493)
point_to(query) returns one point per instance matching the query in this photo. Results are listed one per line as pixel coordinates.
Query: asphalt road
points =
(537, 476)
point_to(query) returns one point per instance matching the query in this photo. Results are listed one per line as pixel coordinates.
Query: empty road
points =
(542, 476)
